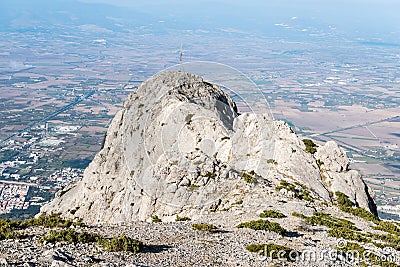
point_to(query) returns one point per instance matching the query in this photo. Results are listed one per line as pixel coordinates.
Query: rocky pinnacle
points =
(179, 147)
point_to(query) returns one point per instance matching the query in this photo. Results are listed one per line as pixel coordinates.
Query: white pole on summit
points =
(180, 59)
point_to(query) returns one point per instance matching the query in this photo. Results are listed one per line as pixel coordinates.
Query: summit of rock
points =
(180, 147)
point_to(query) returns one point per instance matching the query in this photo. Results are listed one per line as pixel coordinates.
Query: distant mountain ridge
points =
(22, 15)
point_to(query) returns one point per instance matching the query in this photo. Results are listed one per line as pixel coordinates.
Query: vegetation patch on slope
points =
(346, 205)
(299, 191)
(11, 230)
(272, 214)
(204, 227)
(311, 147)
(264, 225)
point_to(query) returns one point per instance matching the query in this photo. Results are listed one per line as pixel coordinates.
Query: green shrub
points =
(388, 239)
(188, 118)
(7, 230)
(371, 258)
(365, 237)
(343, 200)
(70, 236)
(264, 225)
(388, 227)
(73, 211)
(345, 233)
(155, 219)
(181, 219)
(273, 251)
(50, 221)
(310, 146)
(193, 187)
(239, 202)
(320, 218)
(301, 193)
(210, 175)
(270, 161)
(347, 206)
(250, 178)
(258, 248)
(204, 227)
(272, 214)
(122, 243)
(341, 228)
(362, 213)
(296, 214)
(286, 185)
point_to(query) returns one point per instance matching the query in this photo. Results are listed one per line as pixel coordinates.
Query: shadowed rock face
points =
(178, 146)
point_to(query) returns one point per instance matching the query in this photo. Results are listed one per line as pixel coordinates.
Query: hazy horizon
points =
(368, 20)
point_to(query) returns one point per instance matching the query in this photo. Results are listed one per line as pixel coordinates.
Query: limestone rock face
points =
(334, 167)
(332, 157)
(353, 186)
(178, 146)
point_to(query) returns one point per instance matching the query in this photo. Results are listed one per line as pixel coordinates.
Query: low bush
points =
(250, 178)
(320, 218)
(239, 202)
(121, 243)
(210, 175)
(362, 213)
(204, 227)
(264, 225)
(341, 228)
(193, 187)
(70, 236)
(8, 231)
(343, 200)
(50, 221)
(181, 219)
(300, 191)
(155, 219)
(272, 214)
(389, 227)
(346, 205)
(188, 118)
(388, 239)
(296, 214)
(345, 233)
(9, 228)
(368, 258)
(311, 147)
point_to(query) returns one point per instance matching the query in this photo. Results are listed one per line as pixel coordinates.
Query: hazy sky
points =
(368, 19)
(367, 9)
(369, 16)
(241, 2)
